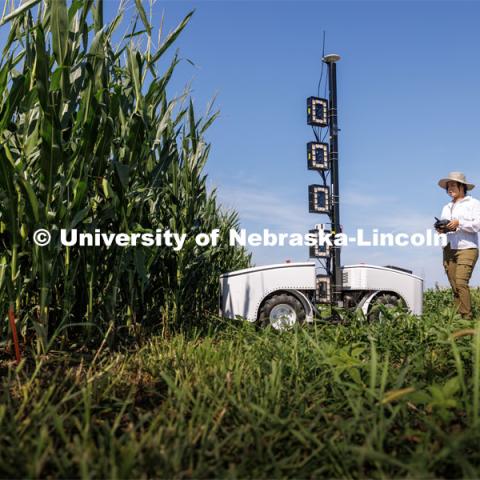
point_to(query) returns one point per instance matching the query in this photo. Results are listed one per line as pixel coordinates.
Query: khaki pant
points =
(458, 266)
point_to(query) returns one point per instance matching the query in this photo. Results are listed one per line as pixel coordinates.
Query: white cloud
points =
(265, 209)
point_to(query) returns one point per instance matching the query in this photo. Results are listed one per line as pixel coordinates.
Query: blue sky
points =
(408, 112)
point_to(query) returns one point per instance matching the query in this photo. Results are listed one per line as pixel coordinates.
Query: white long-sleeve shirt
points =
(467, 212)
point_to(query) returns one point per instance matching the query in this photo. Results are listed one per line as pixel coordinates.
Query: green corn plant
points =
(89, 140)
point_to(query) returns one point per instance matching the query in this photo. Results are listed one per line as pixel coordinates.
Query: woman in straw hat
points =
(461, 252)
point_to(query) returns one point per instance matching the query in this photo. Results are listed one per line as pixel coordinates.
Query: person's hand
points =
(453, 225)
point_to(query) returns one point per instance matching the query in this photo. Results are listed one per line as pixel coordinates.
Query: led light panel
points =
(317, 156)
(320, 251)
(317, 112)
(318, 199)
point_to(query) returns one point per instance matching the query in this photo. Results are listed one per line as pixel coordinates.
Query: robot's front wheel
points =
(281, 311)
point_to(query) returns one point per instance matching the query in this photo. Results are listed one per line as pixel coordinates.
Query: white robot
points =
(285, 294)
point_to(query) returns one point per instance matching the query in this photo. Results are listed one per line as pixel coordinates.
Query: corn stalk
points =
(89, 140)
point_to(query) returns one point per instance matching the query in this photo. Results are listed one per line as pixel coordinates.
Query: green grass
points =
(391, 399)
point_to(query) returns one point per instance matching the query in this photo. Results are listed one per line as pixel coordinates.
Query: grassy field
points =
(398, 398)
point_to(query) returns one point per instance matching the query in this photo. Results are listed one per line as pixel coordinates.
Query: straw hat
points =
(455, 177)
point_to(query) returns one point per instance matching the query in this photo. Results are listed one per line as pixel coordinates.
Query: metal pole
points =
(331, 60)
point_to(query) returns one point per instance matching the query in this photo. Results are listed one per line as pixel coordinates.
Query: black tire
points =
(273, 307)
(385, 300)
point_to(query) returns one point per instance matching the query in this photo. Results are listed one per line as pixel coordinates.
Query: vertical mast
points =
(331, 60)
